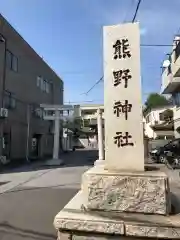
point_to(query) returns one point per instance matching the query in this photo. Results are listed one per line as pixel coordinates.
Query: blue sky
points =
(68, 35)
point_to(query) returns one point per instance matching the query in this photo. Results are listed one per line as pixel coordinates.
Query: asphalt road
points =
(29, 214)
(34, 194)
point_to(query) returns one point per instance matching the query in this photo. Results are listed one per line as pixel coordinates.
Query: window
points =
(10, 101)
(14, 63)
(176, 99)
(38, 81)
(43, 84)
(47, 87)
(8, 59)
(148, 119)
(161, 116)
(11, 61)
(86, 122)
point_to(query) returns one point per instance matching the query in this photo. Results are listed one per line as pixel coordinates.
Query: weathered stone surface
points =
(151, 234)
(126, 192)
(85, 221)
(152, 231)
(64, 236)
(89, 224)
(111, 227)
(91, 236)
(101, 237)
(95, 237)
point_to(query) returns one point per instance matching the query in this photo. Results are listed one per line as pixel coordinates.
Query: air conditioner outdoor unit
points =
(3, 159)
(4, 113)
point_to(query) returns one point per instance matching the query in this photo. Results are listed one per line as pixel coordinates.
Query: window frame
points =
(161, 116)
(14, 57)
(176, 97)
(38, 81)
(11, 103)
(43, 84)
(47, 87)
(148, 118)
(10, 64)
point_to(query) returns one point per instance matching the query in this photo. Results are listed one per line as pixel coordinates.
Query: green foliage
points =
(156, 100)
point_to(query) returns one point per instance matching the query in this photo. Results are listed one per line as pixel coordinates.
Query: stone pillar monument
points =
(121, 199)
(122, 98)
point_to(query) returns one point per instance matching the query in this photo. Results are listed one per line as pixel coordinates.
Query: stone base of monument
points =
(74, 222)
(119, 206)
(142, 192)
(99, 162)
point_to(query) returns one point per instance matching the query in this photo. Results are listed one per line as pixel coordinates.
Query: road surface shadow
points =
(30, 214)
(13, 232)
(175, 207)
(72, 159)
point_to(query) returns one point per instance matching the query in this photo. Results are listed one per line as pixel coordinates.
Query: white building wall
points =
(149, 131)
(176, 111)
(153, 120)
(90, 111)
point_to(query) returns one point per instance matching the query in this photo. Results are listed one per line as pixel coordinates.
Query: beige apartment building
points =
(171, 82)
(26, 81)
(88, 114)
(155, 126)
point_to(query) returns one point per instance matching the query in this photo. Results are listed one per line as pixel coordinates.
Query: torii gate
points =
(56, 117)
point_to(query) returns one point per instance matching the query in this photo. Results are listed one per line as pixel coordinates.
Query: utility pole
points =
(3, 41)
(28, 132)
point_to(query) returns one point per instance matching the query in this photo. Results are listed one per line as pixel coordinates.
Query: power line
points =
(142, 45)
(156, 45)
(90, 101)
(86, 93)
(136, 11)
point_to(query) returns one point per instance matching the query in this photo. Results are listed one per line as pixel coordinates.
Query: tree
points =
(156, 100)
